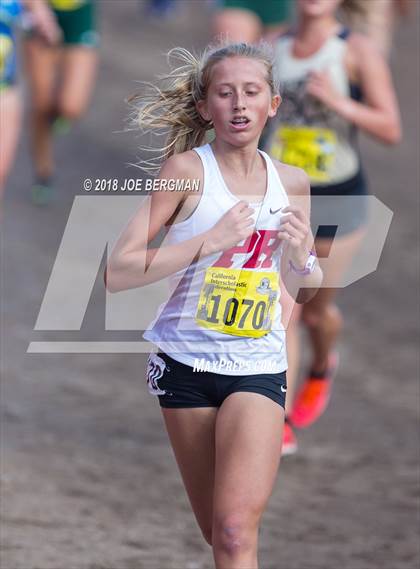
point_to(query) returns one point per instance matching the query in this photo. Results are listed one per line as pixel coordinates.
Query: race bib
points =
(312, 149)
(237, 301)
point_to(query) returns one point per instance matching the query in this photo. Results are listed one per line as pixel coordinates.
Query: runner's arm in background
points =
(378, 114)
(43, 20)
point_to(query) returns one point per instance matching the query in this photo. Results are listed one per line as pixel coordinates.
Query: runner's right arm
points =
(133, 264)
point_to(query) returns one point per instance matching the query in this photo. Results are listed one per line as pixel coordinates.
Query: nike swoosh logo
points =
(275, 210)
(283, 389)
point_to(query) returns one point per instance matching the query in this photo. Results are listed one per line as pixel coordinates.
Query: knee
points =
(42, 105)
(311, 317)
(319, 316)
(234, 533)
(69, 110)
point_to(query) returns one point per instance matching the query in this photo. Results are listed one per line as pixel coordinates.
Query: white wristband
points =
(308, 268)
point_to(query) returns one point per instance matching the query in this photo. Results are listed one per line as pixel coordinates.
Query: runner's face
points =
(317, 8)
(239, 100)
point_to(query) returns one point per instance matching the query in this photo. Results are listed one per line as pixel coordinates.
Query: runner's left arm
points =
(296, 236)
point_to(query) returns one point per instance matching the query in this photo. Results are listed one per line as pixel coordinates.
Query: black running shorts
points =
(177, 385)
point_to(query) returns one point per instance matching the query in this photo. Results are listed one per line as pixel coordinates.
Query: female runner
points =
(10, 99)
(224, 250)
(73, 64)
(333, 82)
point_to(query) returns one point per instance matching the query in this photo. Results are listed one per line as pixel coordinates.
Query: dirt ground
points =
(88, 477)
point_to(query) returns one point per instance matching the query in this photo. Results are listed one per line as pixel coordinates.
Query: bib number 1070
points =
(237, 302)
(230, 315)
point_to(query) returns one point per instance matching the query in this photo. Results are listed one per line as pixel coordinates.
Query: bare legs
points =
(10, 121)
(320, 315)
(61, 82)
(229, 459)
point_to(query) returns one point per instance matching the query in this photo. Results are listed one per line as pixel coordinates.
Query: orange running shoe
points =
(289, 443)
(314, 395)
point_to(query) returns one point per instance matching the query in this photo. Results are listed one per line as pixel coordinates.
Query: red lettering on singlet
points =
(261, 243)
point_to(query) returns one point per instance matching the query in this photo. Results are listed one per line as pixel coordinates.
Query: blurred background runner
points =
(249, 20)
(10, 98)
(61, 79)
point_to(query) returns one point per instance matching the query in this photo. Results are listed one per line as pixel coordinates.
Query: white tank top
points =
(223, 310)
(305, 132)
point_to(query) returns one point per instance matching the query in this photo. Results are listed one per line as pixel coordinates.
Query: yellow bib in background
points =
(312, 149)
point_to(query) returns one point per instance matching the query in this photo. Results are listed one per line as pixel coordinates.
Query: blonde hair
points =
(169, 107)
